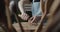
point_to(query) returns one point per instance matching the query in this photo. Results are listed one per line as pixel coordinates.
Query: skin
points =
(23, 15)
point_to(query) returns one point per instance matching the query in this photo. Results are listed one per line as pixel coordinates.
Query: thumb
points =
(19, 15)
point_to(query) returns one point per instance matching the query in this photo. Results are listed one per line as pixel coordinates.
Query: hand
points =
(24, 16)
(31, 20)
(34, 20)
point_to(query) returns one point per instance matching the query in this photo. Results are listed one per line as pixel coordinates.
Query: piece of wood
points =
(26, 26)
(53, 17)
(9, 22)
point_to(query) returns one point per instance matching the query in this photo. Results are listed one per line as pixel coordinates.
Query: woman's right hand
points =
(34, 20)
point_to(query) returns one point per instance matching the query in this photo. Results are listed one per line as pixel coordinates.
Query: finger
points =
(25, 17)
(33, 19)
(30, 20)
(19, 15)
